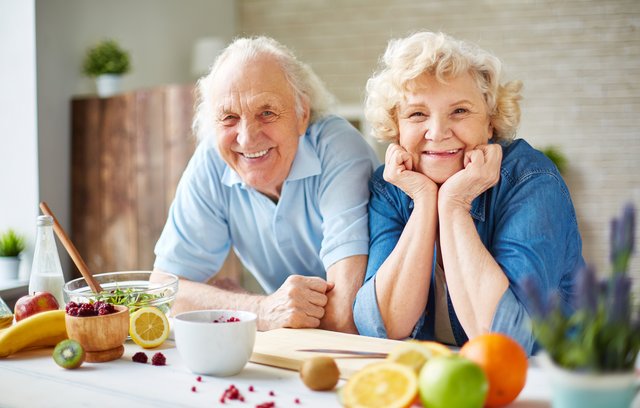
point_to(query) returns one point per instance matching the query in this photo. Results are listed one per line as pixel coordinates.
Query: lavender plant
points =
(603, 332)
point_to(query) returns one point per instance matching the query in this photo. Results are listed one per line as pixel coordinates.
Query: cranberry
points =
(158, 359)
(140, 357)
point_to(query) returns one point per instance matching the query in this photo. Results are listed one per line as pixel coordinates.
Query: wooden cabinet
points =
(128, 154)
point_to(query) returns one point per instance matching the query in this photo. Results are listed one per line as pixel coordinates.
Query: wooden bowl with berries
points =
(101, 328)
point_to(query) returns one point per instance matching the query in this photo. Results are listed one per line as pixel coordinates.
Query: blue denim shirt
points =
(526, 221)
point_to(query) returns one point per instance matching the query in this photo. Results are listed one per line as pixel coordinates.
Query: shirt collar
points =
(306, 163)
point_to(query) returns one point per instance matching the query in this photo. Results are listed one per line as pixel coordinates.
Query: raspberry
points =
(96, 305)
(86, 309)
(140, 357)
(70, 305)
(158, 359)
(73, 311)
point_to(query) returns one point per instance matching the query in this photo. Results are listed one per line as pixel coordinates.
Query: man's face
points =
(257, 127)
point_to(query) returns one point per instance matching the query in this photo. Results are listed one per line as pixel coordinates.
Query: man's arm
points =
(298, 303)
(347, 275)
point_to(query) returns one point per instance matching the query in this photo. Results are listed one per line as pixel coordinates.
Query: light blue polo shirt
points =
(321, 216)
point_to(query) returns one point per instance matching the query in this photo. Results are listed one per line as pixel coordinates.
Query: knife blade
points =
(352, 353)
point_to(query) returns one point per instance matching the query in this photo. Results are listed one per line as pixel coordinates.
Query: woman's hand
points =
(481, 172)
(398, 170)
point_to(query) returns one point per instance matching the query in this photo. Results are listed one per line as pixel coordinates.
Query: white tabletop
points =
(32, 379)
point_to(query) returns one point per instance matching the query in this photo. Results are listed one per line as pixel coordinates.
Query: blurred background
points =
(579, 61)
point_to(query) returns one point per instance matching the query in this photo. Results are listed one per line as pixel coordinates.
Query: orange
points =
(381, 385)
(503, 361)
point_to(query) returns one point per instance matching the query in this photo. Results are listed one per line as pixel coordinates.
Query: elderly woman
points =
(460, 214)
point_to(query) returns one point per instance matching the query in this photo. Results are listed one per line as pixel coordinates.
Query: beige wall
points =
(579, 60)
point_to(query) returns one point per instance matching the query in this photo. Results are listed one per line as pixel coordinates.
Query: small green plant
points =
(557, 157)
(106, 57)
(11, 244)
(603, 333)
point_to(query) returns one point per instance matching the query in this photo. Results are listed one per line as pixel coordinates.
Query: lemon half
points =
(148, 327)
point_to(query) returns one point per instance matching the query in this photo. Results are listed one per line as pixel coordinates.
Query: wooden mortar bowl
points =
(102, 337)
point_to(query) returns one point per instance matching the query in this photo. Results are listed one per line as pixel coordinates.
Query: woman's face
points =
(439, 122)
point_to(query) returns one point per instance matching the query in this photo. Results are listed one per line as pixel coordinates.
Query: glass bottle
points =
(6, 315)
(46, 271)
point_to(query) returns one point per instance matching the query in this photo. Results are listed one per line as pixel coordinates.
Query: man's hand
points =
(398, 170)
(348, 275)
(481, 172)
(298, 303)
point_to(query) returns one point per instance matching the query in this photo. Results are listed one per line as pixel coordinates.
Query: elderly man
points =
(282, 182)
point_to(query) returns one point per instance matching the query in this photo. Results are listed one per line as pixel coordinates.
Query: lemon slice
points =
(384, 385)
(148, 327)
(415, 353)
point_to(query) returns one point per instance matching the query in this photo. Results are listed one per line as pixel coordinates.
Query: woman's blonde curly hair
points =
(444, 57)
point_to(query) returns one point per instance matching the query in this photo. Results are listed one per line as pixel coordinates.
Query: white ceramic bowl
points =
(220, 349)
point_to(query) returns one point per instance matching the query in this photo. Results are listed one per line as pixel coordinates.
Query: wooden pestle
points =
(71, 249)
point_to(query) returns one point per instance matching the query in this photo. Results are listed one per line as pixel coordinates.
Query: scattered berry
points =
(272, 394)
(140, 357)
(193, 389)
(251, 389)
(231, 393)
(297, 400)
(269, 404)
(199, 379)
(158, 359)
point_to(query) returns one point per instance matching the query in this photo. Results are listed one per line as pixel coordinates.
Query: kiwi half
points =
(68, 354)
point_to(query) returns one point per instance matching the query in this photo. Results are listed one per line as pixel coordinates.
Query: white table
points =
(32, 379)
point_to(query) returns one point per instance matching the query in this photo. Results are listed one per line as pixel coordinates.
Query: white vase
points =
(108, 85)
(9, 268)
(572, 389)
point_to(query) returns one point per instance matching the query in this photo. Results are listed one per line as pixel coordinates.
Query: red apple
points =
(31, 304)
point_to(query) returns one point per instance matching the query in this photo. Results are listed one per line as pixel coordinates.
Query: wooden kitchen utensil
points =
(71, 249)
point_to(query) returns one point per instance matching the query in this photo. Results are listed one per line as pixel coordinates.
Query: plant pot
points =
(572, 389)
(9, 268)
(108, 85)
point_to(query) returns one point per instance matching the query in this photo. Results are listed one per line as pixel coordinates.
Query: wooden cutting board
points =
(279, 347)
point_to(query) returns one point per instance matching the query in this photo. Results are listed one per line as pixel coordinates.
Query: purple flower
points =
(587, 290)
(618, 299)
(622, 239)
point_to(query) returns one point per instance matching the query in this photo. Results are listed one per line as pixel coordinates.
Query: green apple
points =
(452, 382)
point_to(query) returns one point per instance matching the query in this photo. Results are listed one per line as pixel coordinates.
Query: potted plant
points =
(107, 62)
(11, 245)
(557, 157)
(591, 353)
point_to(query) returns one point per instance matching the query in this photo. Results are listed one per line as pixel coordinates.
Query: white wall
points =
(159, 35)
(18, 150)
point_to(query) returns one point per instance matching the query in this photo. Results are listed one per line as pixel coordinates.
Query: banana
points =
(42, 329)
